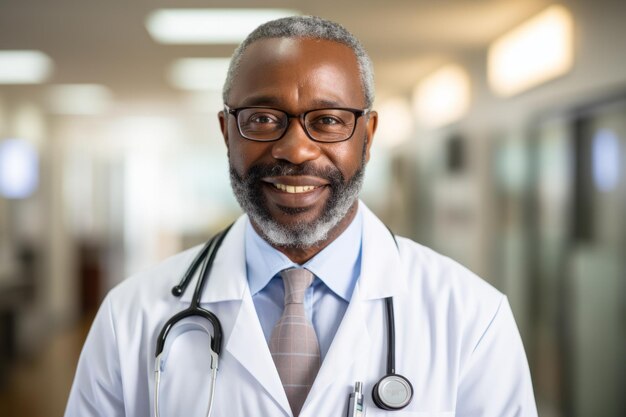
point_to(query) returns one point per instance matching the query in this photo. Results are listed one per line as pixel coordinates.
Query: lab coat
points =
(456, 341)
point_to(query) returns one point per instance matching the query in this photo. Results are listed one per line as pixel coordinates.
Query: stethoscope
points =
(392, 392)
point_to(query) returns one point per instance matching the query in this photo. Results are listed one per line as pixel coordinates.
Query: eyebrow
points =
(260, 101)
(273, 101)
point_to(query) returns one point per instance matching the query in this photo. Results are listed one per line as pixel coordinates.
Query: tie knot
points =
(296, 282)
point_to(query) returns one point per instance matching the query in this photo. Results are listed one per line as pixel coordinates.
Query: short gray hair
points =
(306, 27)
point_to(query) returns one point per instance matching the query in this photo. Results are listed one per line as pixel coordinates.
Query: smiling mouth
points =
(295, 189)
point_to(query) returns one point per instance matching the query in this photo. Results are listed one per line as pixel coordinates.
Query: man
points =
(299, 283)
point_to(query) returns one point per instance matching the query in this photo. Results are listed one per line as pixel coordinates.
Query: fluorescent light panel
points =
(24, 67)
(205, 74)
(442, 97)
(208, 26)
(537, 51)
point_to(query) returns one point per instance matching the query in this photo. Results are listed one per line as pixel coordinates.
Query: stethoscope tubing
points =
(205, 257)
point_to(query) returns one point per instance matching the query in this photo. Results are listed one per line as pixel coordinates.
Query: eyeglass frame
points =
(357, 113)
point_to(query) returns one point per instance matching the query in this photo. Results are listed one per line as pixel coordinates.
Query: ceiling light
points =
(78, 99)
(199, 73)
(24, 67)
(442, 97)
(537, 51)
(202, 26)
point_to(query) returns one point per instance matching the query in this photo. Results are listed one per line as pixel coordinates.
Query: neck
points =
(302, 255)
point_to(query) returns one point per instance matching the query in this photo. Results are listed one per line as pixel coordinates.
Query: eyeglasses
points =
(264, 124)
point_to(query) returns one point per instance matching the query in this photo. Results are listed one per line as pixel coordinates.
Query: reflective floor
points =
(39, 386)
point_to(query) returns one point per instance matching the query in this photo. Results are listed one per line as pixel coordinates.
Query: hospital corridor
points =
(501, 143)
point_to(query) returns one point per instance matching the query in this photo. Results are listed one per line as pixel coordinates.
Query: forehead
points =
(297, 73)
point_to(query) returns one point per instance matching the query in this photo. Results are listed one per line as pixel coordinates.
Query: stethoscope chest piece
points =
(392, 392)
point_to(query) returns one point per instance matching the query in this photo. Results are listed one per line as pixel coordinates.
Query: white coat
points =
(456, 341)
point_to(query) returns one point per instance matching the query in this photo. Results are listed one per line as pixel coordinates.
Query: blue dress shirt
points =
(336, 268)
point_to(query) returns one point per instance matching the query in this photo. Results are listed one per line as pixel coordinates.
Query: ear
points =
(223, 119)
(372, 124)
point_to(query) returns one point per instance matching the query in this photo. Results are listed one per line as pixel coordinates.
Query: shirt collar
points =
(338, 265)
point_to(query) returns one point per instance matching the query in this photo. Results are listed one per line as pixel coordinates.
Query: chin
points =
(300, 230)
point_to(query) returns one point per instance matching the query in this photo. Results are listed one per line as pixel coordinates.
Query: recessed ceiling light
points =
(536, 51)
(204, 26)
(24, 67)
(199, 73)
(442, 97)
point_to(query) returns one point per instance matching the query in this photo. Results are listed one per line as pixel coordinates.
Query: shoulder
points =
(437, 273)
(433, 281)
(452, 297)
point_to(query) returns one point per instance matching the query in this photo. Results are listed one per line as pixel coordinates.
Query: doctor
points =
(299, 282)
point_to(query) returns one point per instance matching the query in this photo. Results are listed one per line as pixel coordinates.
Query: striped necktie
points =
(293, 343)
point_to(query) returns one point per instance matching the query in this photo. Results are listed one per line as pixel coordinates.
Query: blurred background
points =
(502, 143)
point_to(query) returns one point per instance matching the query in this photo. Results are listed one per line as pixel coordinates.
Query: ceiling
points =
(106, 42)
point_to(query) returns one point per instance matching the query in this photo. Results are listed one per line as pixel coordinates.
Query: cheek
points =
(347, 156)
(243, 153)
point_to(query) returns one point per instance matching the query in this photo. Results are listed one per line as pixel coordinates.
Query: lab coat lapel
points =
(227, 278)
(381, 277)
(247, 344)
(382, 273)
(243, 336)
(351, 342)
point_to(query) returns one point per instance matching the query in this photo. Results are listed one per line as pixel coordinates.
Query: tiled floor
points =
(39, 386)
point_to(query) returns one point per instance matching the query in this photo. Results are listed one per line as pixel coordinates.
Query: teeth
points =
(294, 189)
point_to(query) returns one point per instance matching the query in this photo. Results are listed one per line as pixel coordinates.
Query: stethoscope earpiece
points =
(392, 392)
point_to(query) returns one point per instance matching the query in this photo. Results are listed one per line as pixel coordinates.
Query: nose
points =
(295, 146)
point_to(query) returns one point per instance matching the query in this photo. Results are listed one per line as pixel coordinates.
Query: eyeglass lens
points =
(325, 125)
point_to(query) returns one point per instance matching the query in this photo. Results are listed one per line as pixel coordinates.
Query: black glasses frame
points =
(357, 113)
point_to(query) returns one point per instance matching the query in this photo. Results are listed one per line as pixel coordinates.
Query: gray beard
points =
(343, 194)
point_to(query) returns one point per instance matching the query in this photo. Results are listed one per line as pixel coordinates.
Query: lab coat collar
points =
(381, 269)
(227, 279)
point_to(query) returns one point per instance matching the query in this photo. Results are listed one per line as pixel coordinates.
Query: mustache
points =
(284, 168)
